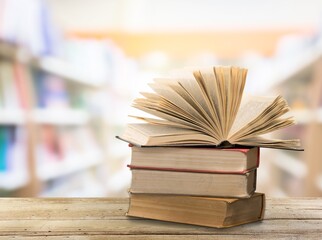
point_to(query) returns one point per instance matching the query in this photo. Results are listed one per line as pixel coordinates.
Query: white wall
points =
(150, 15)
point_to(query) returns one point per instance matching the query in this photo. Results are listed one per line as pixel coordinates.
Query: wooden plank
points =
(62, 208)
(103, 208)
(311, 236)
(98, 217)
(151, 227)
(296, 200)
(294, 208)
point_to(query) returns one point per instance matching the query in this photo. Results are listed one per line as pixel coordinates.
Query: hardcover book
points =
(193, 183)
(197, 159)
(204, 211)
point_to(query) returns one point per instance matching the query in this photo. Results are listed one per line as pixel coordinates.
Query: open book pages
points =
(208, 108)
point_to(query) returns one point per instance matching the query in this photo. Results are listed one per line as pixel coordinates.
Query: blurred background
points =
(69, 70)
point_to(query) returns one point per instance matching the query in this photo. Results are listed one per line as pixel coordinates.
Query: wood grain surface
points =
(104, 218)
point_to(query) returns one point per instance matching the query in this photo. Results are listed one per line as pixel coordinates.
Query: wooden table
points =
(103, 218)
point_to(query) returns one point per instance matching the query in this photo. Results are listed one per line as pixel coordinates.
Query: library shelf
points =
(12, 52)
(12, 180)
(65, 70)
(301, 83)
(305, 116)
(72, 164)
(12, 117)
(49, 64)
(290, 164)
(30, 76)
(319, 182)
(301, 65)
(60, 116)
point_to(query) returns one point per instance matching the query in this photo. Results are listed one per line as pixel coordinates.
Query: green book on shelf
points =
(4, 144)
(203, 211)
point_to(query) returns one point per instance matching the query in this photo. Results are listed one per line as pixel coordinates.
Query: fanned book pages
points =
(208, 108)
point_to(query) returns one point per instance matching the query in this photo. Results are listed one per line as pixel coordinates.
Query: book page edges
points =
(239, 148)
(190, 170)
(130, 142)
(235, 147)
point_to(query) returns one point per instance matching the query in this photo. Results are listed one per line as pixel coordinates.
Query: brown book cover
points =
(203, 211)
(195, 159)
(194, 183)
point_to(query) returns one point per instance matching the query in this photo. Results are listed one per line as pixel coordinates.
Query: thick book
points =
(207, 107)
(203, 211)
(194, 183)
(185, 159)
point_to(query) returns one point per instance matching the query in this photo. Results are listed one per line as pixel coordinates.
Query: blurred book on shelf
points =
(23, 84)
(50, 91)
(9, 93)
(13, 158)
(62, 150)
(29, 24)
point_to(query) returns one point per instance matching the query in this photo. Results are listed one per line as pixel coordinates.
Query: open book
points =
(208, 108)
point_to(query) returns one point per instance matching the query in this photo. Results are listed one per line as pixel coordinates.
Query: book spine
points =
(258, 158)
(37, 77)
(263, 207)
(4, 147)
(21, 85)
(9, 92)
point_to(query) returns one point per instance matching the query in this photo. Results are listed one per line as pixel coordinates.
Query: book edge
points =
(227, 201)
(190, 170)
(236, 146)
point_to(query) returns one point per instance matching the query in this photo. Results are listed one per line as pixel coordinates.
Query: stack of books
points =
(196, 162)
(203, 186)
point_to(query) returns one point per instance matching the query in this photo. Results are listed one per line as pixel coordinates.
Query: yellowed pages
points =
(153, 135)
(211, 103)
(250, 108)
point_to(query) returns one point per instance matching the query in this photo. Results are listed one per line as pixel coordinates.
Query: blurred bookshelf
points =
(47, 130)
(69, 165)
(66, 94)
(299, 80)
(60, 117)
